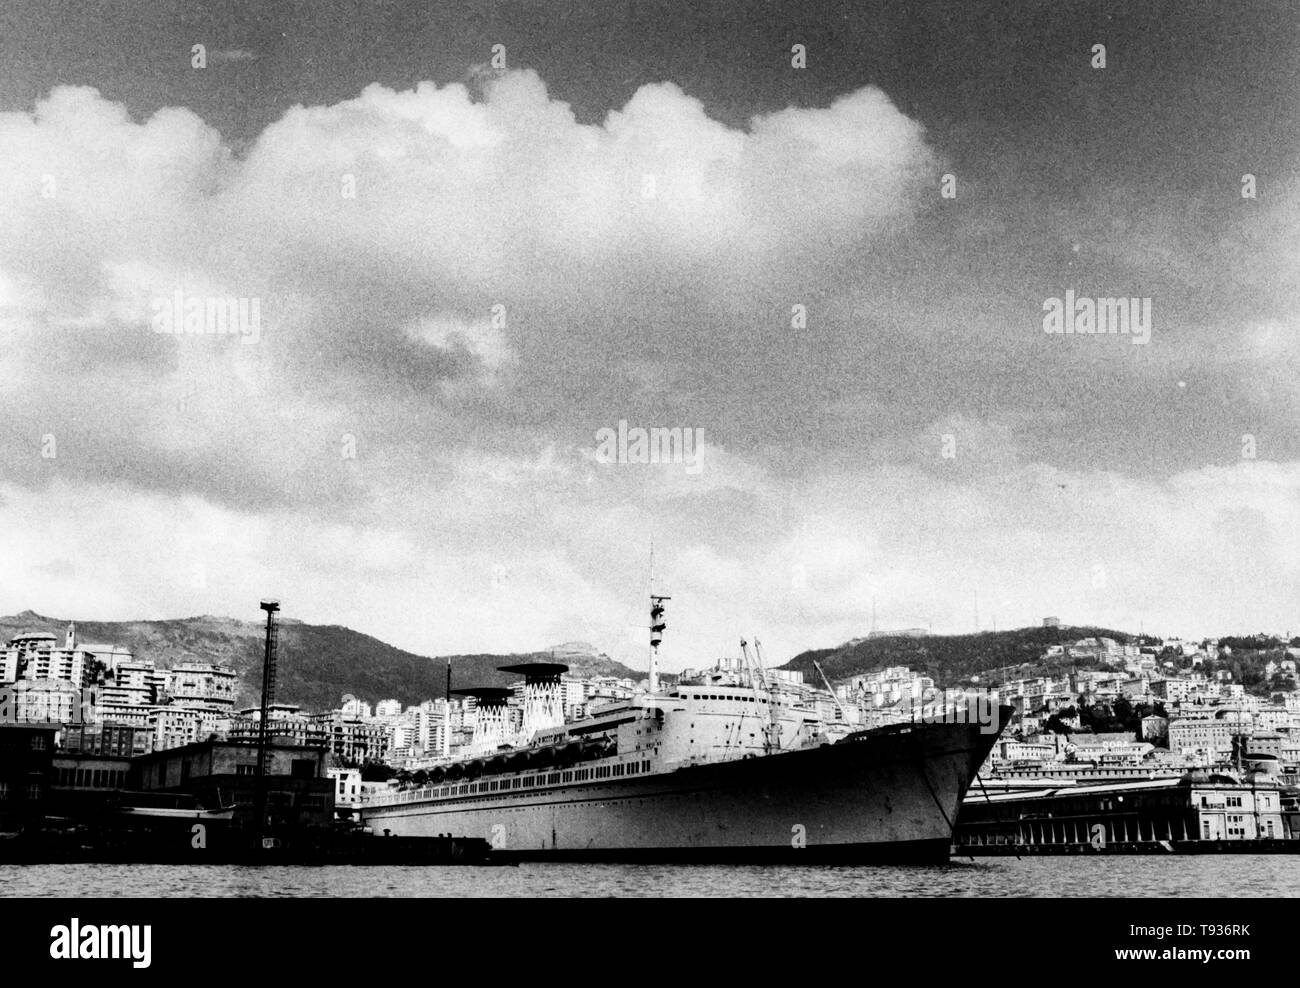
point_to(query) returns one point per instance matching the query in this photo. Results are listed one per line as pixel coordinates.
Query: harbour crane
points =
(838, 706)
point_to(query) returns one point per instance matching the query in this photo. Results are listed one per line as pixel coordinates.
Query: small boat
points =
(173, 806)
(194, 813)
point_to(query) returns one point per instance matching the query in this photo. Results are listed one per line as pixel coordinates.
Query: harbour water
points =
(1216, 876)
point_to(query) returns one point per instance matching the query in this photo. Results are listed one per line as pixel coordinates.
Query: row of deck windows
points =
(525, 782)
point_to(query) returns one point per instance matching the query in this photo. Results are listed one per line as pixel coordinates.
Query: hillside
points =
(318, 663)
(951, 660)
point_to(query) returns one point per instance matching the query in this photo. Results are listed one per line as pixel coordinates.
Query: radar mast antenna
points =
(657, 623)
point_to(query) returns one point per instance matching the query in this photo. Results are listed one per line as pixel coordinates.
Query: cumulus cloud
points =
(1084, 546)
(381, 235)
(483, 340)
(458, 286)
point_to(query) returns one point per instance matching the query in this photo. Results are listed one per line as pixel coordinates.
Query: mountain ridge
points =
(317, 664)
(952, 660)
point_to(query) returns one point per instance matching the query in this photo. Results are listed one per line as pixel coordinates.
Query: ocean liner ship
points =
(729, 768)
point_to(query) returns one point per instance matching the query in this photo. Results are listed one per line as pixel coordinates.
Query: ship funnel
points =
(492, 722)
(543, 695)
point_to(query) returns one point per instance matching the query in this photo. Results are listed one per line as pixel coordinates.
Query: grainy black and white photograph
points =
(558, 448)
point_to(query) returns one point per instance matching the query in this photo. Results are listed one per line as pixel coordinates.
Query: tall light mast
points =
(446, 714)
(268, 699)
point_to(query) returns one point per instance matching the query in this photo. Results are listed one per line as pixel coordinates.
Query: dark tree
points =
(1123, 710)
(376, 772)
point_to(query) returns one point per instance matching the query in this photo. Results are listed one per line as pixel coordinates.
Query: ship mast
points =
(771, 730)
(774, 739)
(657, 626)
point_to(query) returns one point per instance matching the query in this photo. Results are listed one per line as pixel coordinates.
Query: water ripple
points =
(1140, 876)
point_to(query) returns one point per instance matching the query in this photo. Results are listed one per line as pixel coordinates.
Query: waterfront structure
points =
(87, 772)
(347, 786)
(1192, 813)
(223, 773)
(1054, 773)
(105, 739)
(26, 751)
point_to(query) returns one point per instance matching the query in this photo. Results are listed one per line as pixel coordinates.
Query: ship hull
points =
(890, 795)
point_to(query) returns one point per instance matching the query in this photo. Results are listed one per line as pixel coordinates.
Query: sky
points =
(472, 239)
